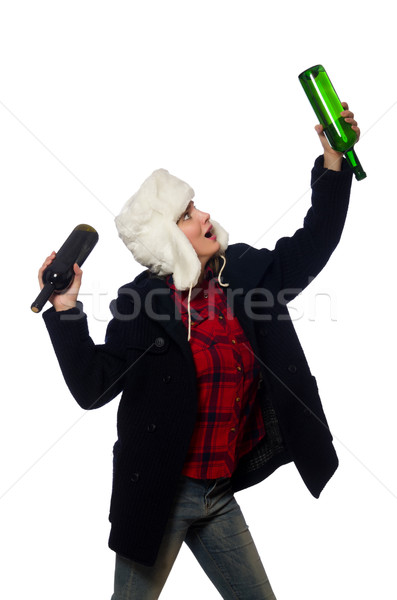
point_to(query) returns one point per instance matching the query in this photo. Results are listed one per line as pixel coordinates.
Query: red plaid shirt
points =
(229, 423)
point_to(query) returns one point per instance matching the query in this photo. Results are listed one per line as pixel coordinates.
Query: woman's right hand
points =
(67, 299)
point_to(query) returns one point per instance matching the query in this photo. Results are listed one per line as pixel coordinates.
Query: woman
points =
(216, 390)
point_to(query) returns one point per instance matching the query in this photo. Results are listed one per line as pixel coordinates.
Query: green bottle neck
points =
(355, 164)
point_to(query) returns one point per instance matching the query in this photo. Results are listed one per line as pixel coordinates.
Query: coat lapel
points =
(163, 310)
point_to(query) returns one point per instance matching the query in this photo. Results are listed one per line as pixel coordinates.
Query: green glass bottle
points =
(327, 106)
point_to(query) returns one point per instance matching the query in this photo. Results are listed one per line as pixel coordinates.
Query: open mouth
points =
(209, 233)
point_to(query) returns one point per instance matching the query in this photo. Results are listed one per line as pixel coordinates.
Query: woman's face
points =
(197, 228)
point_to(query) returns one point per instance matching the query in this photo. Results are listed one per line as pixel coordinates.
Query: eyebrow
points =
(189, 206)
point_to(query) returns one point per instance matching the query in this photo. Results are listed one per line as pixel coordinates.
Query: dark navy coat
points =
(147, 357)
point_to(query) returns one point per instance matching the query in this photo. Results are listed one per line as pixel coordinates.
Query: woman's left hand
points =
(332, 158)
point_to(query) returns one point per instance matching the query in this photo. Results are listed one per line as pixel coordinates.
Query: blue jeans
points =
(207, 517)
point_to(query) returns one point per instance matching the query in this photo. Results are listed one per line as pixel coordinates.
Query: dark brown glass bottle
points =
(59, 275)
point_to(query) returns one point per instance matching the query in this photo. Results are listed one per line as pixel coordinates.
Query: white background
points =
(94, 96)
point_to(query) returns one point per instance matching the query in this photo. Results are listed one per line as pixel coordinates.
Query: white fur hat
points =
(148, 226)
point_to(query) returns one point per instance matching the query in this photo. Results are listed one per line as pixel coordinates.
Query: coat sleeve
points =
(94, 373)
(287, 269)
(299, 258)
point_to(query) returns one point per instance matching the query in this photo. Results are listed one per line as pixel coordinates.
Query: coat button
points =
(159, 342)
(167, 378)
(134, 477)
(292, 369)
(151, 428)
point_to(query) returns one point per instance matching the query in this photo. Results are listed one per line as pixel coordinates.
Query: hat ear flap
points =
(186, 266)
(222, 236)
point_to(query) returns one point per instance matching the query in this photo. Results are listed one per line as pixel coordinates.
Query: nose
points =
(204, 216)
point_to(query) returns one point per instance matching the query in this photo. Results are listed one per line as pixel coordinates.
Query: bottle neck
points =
(42, 298)
(355, 164)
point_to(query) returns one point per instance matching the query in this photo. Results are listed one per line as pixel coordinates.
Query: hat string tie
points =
(220, 272)
(188, 312)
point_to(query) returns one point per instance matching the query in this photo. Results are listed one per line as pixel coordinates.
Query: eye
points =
(187, 214)
(184, 217)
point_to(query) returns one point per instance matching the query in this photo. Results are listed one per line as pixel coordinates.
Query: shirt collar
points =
(208, 275)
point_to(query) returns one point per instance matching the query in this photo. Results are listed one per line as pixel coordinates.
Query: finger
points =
(347, 114)
(357, 131)
(319, 128)
(70, 296)
(46, 263)
(49, 259)
(78, 272)
(349, 118)
(345, 105)
(321, 136)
